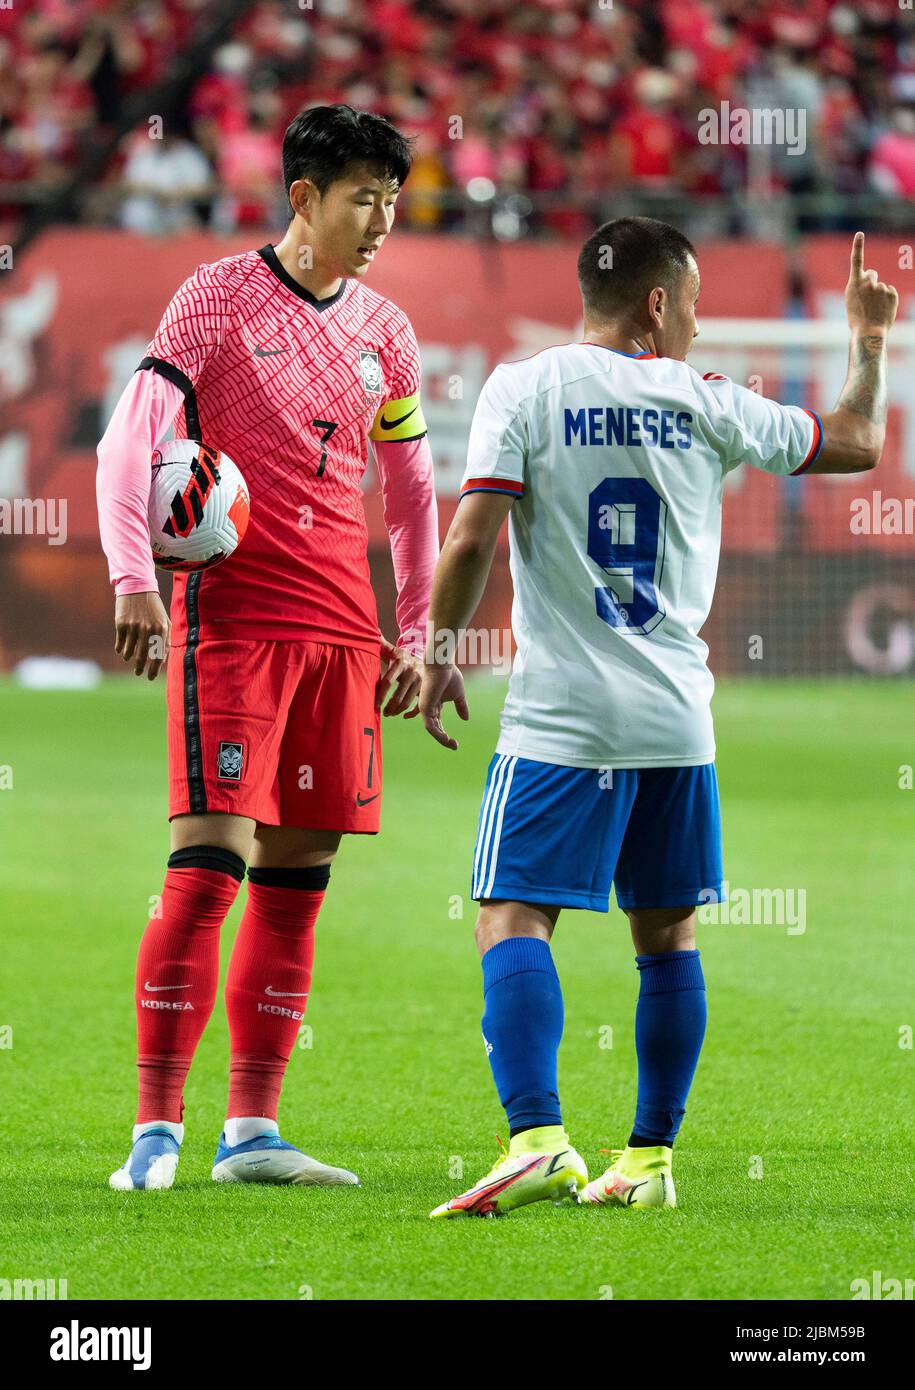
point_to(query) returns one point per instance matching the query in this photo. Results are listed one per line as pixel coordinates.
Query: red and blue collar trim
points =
(636, 356)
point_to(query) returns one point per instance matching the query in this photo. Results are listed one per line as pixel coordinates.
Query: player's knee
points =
(286, 847)
(657, 930)
(499, 920)
(201, 884)
(482, 935)
(493, 925)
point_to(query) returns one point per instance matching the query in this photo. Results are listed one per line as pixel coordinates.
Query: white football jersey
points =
(618, 465)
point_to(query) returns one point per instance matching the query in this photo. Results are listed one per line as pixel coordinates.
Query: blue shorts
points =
(550, 834)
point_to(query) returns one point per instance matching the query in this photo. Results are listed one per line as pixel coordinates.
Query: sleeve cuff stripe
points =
(465, 492)
(509, 485)
(816, 445)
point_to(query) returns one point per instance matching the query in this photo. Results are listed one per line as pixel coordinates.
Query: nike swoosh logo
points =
(555, 1159)
(271, 352)
(392, 424)
(498, 1185)
(286, 993)
(152, 989)
(633, 1190)
(364, 801)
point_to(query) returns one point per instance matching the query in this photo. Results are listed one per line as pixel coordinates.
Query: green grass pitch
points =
(794, 1165)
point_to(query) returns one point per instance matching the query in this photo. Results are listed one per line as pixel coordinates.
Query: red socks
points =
(266, 989)
(268, 982)
(178, 972)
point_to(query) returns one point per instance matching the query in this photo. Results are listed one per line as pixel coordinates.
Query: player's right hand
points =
(441, 684)
(869, 303)
(141, 632)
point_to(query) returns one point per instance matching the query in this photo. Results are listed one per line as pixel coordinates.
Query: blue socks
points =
(669, 1029)
(522, 1028)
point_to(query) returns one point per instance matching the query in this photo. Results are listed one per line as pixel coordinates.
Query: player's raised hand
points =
(142, 629)
(869, 303)
(441, 684)
(401, 672)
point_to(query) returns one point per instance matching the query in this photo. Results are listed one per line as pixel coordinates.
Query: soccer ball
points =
(198, 506)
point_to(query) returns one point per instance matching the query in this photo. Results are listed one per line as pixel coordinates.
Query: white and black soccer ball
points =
(198, 505)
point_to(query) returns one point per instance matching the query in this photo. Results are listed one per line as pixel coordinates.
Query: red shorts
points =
(284, 732)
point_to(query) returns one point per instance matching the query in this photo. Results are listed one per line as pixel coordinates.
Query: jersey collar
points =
(639, 356)
(272, 261)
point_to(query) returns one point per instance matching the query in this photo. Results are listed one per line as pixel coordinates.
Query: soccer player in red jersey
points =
(277, 675)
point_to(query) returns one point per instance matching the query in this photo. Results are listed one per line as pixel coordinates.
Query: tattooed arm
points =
(853, 434)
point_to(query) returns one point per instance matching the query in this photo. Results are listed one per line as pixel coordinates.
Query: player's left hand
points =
(401, 672)
(440, 684)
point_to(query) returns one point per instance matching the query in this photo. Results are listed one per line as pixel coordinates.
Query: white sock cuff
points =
(241, 1128)
(176, 1131)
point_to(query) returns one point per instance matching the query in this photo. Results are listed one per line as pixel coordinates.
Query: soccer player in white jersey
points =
(610, 456)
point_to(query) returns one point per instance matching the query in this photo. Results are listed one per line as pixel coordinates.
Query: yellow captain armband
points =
(401, 419)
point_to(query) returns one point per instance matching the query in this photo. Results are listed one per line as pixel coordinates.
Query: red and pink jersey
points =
(289, 387)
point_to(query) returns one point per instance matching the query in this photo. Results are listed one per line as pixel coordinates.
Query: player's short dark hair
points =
(323, 141)
(623, 260)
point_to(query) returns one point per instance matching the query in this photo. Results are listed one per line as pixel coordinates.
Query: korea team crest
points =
(370, 368)
(231, 761)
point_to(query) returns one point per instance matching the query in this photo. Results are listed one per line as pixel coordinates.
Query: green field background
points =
(794, 1166)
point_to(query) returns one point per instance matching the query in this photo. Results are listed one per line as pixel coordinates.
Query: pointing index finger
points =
(857, 255)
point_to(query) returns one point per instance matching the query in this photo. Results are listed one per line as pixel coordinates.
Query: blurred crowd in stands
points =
(539, 117)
